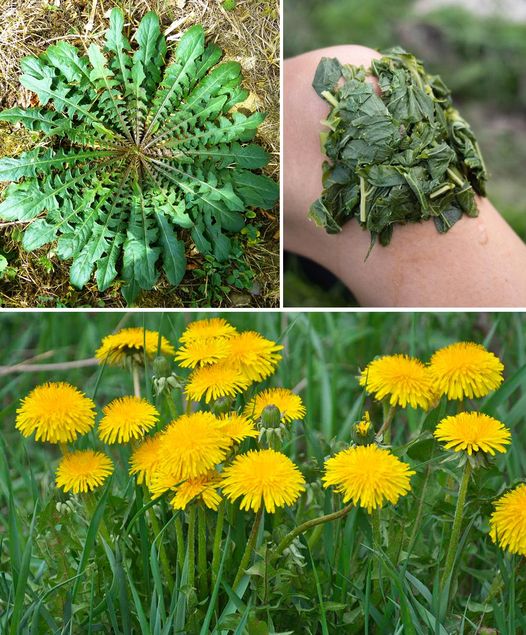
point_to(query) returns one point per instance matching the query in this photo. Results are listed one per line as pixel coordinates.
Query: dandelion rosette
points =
(508, 521)
(202, 352)
(145, 459)
(465, 369)
(132, 343)
(83, 471)
(218, 380)
(289, 404)
(254, 355)
(262, 477)
(237, 427)
(473, 432)
(56, 412)
(403, 379)
(205, 329)
(191, 446)
(127, 418)
(203, 487)
(368, 476)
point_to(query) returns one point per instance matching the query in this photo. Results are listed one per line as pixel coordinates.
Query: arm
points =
(480, 262)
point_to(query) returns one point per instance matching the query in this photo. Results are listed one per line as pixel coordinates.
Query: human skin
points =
(479, 262)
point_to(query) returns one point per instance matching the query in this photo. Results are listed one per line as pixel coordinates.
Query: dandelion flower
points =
(262, 477)
(255, 356)
(162, 480)
(405, 380)
(127, 418)
(132, 343)
(465, 369)
(212, 382)
(56, 412)
(473, 432)
(83, 471)
(290, 405)
(204, 329)
(145, 459)
(192, 445)
(203, 487)
(237, 427)
(508, 521)
(201, 352)
(368, 476)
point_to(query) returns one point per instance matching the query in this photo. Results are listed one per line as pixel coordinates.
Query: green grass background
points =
(323, 354)
(481, 59)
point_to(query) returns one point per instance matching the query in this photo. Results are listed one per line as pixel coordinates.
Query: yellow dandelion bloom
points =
(136, 343)
(192, 445)
(83, 471)
(473, 432)
(126, 418)
(204, 329)
(508, 521)
(290, 405)
(405, 380)
(203, 487)
(162, 480)
(201, 352)
(56, 412)
(255, 356)
(212, 382)
(237, 427)
(465, 369)
(144, 459)
(262, 477)
(368, 476)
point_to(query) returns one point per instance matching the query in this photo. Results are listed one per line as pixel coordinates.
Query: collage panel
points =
(139, 153)
(262, 473)
(403, 153)
(221, 418)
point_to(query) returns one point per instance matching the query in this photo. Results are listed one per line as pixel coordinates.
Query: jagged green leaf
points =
(172, 250)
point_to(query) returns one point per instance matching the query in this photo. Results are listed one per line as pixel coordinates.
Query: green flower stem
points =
(64, 448)
(377, 543)
(136, 380)
(385, 430)
(457, 525)
(189, 407)
(308, 524)
(171, 405)
(201, 551)
(91, 506)
(190, 538)
(216, 553)
(165, 564)
(179, 538)
(419, 514)
(249, 548)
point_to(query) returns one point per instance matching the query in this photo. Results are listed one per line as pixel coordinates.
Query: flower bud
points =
(270, 417)
(222, 406)
(363, 431)
(161, 367)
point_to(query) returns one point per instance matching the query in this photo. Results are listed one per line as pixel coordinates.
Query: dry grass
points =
(249, 35)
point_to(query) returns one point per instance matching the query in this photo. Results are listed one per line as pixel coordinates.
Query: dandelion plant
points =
(140, 148)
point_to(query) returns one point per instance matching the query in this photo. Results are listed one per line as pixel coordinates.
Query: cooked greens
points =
(401, 156)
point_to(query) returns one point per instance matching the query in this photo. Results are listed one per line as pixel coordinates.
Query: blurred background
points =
(479, 49)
